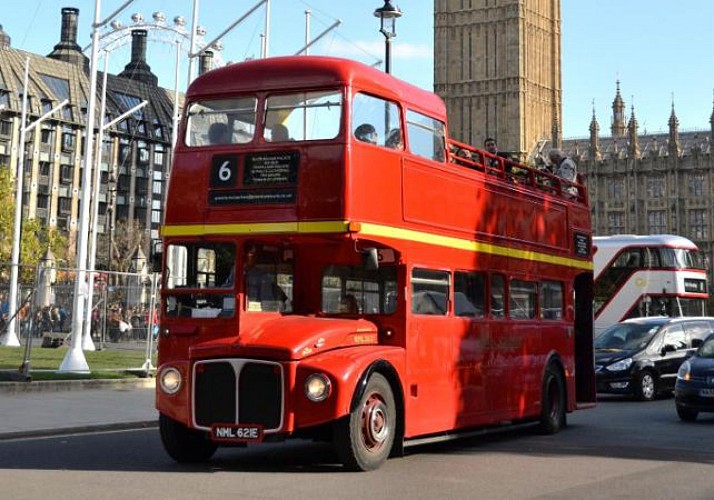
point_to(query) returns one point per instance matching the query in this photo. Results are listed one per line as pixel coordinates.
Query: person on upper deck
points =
(564, 167)
(366, 133)
(218, 133)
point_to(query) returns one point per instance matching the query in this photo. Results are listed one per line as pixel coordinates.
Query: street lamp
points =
(388, 15)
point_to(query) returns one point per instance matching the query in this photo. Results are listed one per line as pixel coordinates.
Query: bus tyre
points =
(183, 444)
(687, 414)
(364, 438)
(645, 386)
(553, 410)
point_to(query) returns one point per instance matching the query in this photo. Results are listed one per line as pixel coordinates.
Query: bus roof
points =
(305, 72)
(633, 240)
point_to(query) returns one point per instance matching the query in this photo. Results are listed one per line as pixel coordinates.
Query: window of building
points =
(657, 221)
(64, 205)
(46, 135)
(430, 292)
(156, 216)
(376, 121)
(69, 141)
(5, 127)
(616, 189)
(469, 294)
(698, 227)
(158, 129)
(159, 155)
(616, 222)
(126, 102)
(44, 168)
(655, 186)
(697, 184)
(426, 136)
(66, 173)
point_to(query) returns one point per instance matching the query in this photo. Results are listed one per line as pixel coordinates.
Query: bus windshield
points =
(221, 121)
(303, 116)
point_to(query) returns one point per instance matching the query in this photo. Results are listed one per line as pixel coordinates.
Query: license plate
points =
(237, 433)
(706, 393)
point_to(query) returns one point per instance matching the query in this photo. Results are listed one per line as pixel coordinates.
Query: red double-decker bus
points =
(336, 268)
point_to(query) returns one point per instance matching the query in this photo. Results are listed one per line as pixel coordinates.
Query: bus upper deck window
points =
(376, 121)
(303, 116)
(221, 122)
(426, 136)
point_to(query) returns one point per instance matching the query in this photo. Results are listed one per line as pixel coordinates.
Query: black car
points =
(641, 356)
(694, 390)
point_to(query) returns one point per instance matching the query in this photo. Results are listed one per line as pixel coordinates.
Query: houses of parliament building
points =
(497, 67)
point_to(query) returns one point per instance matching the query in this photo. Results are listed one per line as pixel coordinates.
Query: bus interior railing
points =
(512, 171)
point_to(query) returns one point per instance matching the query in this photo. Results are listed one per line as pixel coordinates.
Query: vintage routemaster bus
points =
(647, 275)
(336, 268)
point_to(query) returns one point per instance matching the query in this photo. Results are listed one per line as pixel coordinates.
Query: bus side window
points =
(551, 300)
(376, 121)
(426, 136)
(469, 294)
(498, 296)
(430, 292)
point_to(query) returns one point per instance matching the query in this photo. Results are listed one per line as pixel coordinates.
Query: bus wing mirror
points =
(156, 257)
(370, 259)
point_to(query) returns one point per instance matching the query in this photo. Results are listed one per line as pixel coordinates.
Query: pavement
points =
(51, 408)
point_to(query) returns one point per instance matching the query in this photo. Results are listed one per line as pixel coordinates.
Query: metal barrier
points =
(124, 315)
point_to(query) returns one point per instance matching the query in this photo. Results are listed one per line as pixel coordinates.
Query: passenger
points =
(564, 168)
(348, 305)
(219, 133)
(366, 133)
(279, 133)
(394, 139)
(262, 288)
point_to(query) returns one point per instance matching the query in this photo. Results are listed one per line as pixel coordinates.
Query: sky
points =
(658, 50)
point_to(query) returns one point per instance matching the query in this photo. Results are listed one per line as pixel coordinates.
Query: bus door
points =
(432, 399)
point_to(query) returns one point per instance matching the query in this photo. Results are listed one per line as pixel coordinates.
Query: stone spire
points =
(595, 138)
(67, 49)
(4, 39)
(634, 141)
(674, 147)
(618, 128)
(711, 129)
(138, 69)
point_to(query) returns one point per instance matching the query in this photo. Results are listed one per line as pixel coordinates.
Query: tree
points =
(35, 239)
(117, 248)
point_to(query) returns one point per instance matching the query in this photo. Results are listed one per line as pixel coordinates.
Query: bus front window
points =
(303, 116)
(220, 122)
(198, 279)
(354, 290)
(268, 272)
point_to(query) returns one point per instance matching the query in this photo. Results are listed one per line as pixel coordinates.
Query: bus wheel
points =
(183, 444)
(364, 438)
(645, 386)
(552, 417)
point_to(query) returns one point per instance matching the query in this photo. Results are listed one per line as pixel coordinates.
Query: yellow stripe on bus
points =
(368, 229)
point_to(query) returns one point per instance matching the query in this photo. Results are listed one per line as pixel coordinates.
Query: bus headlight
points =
(317, 387)
(170, 380)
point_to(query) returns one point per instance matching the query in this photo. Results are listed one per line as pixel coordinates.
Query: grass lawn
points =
(102, 364)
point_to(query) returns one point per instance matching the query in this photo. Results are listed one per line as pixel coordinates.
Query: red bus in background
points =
(336, 268)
